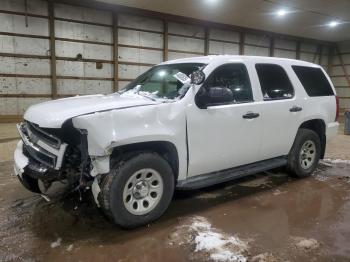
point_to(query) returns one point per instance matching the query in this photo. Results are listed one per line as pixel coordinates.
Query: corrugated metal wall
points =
(98, 51)
(340, 73)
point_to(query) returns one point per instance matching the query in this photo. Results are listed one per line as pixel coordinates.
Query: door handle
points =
(295, 109)
(250, 115)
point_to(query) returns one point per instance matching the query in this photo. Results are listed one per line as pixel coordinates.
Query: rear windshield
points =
(314, 81)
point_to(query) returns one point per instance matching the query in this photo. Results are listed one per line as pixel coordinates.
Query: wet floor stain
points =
(280, 218)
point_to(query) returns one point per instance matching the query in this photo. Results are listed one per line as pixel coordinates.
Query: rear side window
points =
(314, 81)
(274, 82)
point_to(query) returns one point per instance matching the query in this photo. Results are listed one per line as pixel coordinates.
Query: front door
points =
(224, 135)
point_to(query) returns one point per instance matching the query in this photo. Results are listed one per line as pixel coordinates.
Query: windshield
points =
(163, 82)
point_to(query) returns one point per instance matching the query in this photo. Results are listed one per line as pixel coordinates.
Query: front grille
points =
(41, 146)
(41, 156)
(35, 133)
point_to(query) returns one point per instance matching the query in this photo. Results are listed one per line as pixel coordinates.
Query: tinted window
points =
(274, 82)
(234, 77)
(314, 81)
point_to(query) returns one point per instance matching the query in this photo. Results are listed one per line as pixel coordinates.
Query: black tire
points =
(112, 187)
(294, 165)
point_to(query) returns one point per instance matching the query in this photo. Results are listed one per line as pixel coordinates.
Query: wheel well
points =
(166, 149)
(318, 126)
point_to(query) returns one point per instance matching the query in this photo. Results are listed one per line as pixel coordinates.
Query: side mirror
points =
(213, 96)
(219, 95)
(197, 77)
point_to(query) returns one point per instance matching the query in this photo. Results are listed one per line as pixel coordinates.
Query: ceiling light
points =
(333, 23)
(212, 1)
(281, 12)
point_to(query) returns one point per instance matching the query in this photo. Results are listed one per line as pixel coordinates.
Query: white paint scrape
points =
(210, 243)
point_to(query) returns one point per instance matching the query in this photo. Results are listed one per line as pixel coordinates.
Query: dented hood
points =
(53, 114)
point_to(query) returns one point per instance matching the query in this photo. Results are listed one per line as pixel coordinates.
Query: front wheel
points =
(137, 191)
(305, 153)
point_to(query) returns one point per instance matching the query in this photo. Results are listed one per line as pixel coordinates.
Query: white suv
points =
(184, 124)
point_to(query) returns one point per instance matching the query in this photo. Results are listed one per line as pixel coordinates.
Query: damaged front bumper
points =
(23, 170)
(36, 158)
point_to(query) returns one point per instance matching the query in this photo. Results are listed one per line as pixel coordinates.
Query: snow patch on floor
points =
(209, 243)
(305, 243)
(56, 243)
(331, 162)
(264, 257)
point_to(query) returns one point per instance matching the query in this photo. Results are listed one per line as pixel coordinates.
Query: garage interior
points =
(63, 48)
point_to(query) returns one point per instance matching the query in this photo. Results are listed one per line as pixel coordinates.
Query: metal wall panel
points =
(261, 40)
(140, 22)
(344, 46)
(17, 106)
(346, 59)
(339, 81)
(186, 44)
(131, 71)
(24, 45)
(83, 32)
(256, 51)
(83, 87)
(338, 70)
(20, 85)
(308, 47)
(137, 38)
(220, 48)
(17, 24)
(178, 55)
(344, 103)
(140, 55)
(186, 29)
(286, 44)
(285, 54)
(83, 14)
(343, 92)
(122, 84)
(308, 57)
(84, 69)
(38, 7)
(88, 51)
(31, 66)
(224, 35)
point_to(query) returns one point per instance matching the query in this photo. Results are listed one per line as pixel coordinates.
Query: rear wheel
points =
(138, 190)
(305, 153)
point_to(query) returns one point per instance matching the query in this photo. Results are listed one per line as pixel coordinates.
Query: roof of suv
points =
(239, 58)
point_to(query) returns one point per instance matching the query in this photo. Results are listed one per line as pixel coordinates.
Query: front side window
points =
(274, 82)
(314, 81)
(233, 77)
(163, 81)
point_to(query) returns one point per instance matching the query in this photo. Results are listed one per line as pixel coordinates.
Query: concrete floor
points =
(265, 217)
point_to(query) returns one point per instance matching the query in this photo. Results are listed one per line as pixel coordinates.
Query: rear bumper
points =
(332, 130)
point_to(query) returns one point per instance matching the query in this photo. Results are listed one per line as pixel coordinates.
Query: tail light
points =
(337, 109)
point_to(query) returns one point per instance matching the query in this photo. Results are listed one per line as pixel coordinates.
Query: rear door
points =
(281, 109)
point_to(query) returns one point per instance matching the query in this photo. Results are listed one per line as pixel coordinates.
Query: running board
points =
(218, 177)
